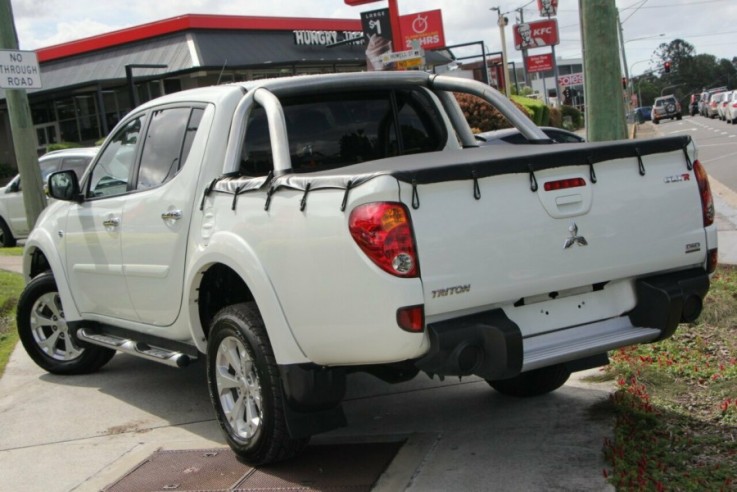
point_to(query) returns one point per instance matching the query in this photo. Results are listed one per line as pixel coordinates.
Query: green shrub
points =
(62, 145)
(7, 172)
(573, 115)
(540, 112)
(482, 116)
(556, 118)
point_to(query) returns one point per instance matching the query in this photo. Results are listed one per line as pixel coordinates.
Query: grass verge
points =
(11, 285)
(676, 403)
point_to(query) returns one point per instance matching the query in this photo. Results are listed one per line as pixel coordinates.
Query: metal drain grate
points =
(191, 469)
(335, 467)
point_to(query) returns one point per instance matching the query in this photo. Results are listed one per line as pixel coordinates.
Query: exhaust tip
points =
(692, 307)
(467, 358)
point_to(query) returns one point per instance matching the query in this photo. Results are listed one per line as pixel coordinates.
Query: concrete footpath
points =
(83, 433)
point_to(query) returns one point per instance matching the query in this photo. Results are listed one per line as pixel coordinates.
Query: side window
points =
(256, 158)
(162, 149)
(76, 164)
(111, 173)
(192, 126)
(419, 125)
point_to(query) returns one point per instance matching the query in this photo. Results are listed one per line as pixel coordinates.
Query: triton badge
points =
(574, 237)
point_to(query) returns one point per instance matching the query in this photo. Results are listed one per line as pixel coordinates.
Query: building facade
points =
(89, 84)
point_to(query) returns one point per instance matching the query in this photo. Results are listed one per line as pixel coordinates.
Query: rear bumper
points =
(491, 346)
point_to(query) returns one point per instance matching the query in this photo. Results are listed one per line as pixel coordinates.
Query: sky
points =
(709, 25)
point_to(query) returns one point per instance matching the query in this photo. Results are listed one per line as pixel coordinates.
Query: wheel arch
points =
(229, 272)
(42, 254)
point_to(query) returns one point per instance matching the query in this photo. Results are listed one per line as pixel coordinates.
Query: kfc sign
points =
(539, 63)
(425, 27)
(535, 34)
(547, 8)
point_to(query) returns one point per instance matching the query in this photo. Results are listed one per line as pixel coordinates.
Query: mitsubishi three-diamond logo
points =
(574, 237)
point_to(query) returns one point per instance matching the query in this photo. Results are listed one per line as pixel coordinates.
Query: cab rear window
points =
(329, 131)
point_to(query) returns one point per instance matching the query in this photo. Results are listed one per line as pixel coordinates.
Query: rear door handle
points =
(111, 222)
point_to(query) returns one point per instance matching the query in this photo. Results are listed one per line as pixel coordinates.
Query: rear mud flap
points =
(486, 344)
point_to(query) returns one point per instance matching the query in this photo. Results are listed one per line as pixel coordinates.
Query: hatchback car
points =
(730, 111)
(642, 114)
(712, 110)
(666, 107)
(724, 104)
(13, 223)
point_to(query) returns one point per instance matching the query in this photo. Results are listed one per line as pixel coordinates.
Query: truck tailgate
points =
(524, 238)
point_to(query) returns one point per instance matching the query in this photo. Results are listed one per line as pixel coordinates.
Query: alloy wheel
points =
(50, 329)
(239, 388)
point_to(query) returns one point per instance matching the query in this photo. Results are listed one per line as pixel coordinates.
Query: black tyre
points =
(42, 329)
(6, 237)
(245, 387)
(656, 121)
(679, 117)
(533, 383)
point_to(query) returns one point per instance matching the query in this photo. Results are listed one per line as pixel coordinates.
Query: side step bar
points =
(139, 349)
(582, 341)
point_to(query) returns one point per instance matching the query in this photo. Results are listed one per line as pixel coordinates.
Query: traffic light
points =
(666, 67)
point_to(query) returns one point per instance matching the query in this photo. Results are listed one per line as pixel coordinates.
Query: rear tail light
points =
(383, 231)
(707, 200)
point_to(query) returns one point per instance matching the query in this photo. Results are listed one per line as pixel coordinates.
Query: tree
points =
(676, 52)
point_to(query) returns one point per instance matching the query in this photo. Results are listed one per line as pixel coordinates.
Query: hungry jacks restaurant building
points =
(89, 84)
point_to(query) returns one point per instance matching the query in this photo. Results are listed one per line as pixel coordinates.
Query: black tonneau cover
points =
(466, 164)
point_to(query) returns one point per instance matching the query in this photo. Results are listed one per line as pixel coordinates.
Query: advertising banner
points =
(377, 28)
(535, 34)
(424, 27)
(539, 63)
(571, 79)
(547, 8)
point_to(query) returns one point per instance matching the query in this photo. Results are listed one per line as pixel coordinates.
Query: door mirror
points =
(63, 185)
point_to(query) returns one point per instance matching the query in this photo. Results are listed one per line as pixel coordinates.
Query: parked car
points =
(513, 136)
(704, 99)
(712, 110)
(693, 105)
(722, 108)
(666, 107)
(730, 111)
(13, 223)
(642, 114)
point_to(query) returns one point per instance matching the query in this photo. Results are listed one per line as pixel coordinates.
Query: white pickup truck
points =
(291, 231)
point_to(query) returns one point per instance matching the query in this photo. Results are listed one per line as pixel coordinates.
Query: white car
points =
(727, 99)
(730, 109)
(13, 223)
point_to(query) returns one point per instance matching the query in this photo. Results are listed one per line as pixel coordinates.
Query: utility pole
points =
(21, 126)
(603, 87)
(502, 23)
(624, 61)
(521, 11)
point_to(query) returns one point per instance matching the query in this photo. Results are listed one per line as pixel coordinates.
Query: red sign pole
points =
(397, 39)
